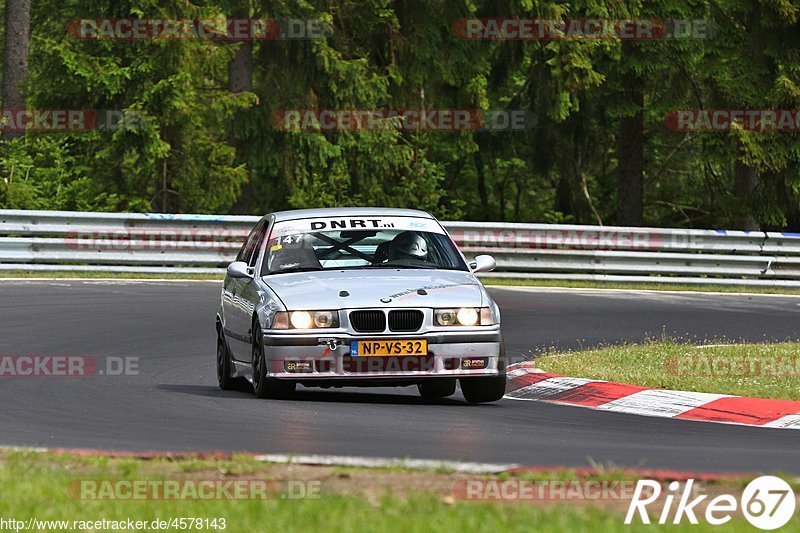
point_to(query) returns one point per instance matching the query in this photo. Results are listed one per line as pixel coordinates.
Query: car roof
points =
(297, 214)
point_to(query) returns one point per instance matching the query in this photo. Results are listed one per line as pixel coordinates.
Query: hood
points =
(320, 290)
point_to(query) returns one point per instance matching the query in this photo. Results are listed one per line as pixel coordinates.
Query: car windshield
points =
(297, 246)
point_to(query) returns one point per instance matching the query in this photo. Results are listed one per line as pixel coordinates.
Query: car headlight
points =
(301, 319)
(465, 316)
(324, 319)
(445, 317)
(305, 319)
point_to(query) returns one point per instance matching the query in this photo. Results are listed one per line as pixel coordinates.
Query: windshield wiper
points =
(295, 269)
(390, 265)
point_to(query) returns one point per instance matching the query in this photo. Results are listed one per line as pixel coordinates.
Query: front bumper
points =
(327, 357)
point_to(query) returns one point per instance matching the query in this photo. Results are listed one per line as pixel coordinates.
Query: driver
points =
(408, 245)
(292, 252)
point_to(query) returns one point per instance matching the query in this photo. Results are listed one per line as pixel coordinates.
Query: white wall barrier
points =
(162, 243)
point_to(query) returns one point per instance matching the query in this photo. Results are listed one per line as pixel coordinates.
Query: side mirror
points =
(483, 263)
(239, 269)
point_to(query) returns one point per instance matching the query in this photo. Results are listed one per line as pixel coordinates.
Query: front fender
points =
(268, 305)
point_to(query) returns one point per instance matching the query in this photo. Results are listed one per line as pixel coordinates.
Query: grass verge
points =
(757, 370)
(654, 286)
(57, 274)
(500, 282)
(35, 485)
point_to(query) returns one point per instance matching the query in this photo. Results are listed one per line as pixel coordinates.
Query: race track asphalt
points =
(174, 403)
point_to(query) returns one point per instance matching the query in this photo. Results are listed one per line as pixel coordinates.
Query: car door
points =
(248, 293)
(238, 297)
(229, 291)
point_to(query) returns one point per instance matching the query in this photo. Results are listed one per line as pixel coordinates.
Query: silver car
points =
(358, 297)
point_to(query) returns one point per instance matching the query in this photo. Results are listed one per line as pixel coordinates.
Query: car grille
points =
(368, 321)
(405, 320)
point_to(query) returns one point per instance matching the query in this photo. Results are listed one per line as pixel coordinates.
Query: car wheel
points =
(264, 386)
(438, 388)
(223, 364)
(224, 367)
(483, 389)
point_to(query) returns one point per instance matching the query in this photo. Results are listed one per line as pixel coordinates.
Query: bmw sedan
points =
(345, 297)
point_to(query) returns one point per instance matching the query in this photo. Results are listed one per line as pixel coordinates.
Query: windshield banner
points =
(374, 223)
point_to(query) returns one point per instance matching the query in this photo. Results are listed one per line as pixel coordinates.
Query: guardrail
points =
(163, 243)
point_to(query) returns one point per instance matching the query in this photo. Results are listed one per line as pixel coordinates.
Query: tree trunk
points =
(15, 64)
(240, 79)
(563, 197)
(570, 189)
(240, 68)
(792, 209)
(745, 182)
(630, 156)
(482, 194)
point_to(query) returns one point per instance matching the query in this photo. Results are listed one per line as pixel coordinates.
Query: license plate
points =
(388, 348)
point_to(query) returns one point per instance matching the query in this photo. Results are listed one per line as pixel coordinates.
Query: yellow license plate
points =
(389, 348)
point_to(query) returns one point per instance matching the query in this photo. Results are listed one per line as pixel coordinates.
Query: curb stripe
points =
(791, 421)
(643, 473)
(751, 411)
(548, 388)
(598, 393)
(389, 462)
(525, 380)
(657, 402)
(528, 383)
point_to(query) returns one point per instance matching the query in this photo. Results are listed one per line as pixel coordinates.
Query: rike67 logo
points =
(767, 502)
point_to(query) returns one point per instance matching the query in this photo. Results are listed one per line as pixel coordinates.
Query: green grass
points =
(654, 286)
(35, 485)
(103, 275)
(489, 281)
(757, 370)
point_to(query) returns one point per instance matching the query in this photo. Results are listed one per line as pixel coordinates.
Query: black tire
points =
(226, 382)
(483, 389)
(437, 388)
(224, 367)
(263, 386)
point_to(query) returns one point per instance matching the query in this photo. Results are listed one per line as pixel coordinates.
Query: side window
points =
(240, 255)
(250, 243)
(257, 244)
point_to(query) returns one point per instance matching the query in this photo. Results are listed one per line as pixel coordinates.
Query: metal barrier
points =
(163, 243)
